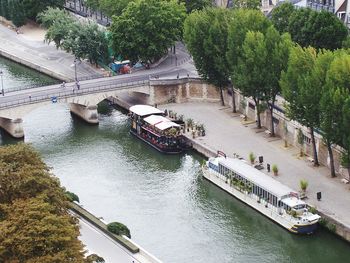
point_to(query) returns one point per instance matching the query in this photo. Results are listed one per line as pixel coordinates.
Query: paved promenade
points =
(45, 56)
(225, 132)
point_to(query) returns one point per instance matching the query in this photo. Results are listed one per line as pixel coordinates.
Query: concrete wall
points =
(35, 66)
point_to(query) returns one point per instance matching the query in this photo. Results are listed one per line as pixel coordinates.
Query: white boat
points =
(261, 192)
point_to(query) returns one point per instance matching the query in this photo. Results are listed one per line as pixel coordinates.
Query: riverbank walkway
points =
(226, 132)
(29, 47)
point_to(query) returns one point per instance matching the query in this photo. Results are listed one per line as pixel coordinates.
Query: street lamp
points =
(75, 69)
(2, 84)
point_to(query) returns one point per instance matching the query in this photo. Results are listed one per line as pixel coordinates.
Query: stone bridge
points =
(83, 102)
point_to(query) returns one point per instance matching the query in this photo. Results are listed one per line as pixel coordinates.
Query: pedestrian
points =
(30, 98)
(63, 84)
(177, 75)
(78, 85)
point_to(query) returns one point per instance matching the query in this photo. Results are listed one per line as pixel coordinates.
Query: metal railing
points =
(71, 93)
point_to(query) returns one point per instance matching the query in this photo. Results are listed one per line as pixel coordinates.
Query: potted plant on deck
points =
(252, 157)
(275, 169)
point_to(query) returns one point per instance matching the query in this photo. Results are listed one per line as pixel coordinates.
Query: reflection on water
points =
(170, 209)
(16, 76)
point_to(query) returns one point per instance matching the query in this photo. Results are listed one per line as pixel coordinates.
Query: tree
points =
(193, 5)
(35, 225)
(317, 29)
(113, 7)
(33, 7)
(331, 107)
(146, 29)
(17, 13)
(338, 78)
(346, 134)
(205, 35)
(242, 22)
(278, 47)
(250, 73)
(247, 4)
(301, 88)
(280, 16)
(33, 232)
(51, 15)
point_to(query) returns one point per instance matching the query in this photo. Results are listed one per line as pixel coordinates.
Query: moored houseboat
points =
(151, 126)
(263, 193)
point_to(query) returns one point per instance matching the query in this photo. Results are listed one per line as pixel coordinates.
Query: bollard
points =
(319, 195)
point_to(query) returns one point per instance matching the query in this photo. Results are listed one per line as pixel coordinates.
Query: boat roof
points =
(166, 125)
(255, 176)
(155, 119)
(293, 201)
(144, 110)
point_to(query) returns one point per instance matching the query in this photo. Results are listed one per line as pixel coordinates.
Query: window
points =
(251, 105)
(306, 139)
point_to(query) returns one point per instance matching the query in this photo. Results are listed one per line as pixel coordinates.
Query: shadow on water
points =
(7, 139)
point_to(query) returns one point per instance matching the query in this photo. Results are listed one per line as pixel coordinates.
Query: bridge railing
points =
(63, 94)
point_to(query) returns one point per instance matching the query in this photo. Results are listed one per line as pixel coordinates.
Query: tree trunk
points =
(272, 128)
(316, 163)
(234, 110)
(257, 104)
(222, 96)
(331, 159)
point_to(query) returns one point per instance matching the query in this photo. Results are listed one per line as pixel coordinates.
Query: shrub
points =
(119, 229)
(275, 169)
(252, 157)
(303, 184)
(72, 196)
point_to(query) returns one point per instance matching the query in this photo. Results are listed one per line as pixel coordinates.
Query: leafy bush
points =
(274, 169)
(72, 196)
(303, 184)
(252, 157)
(119, 229)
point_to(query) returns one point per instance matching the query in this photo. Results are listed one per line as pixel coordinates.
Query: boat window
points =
(298, 207)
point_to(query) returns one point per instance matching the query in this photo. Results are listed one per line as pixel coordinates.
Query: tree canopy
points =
(35, 225)
(319, 29)
(205, 35)
(147, 28)
(192, 5)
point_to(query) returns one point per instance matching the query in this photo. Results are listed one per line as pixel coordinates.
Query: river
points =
(169, 208)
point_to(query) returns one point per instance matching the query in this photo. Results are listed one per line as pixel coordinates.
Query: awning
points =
(166, 125)
(144, 110)
(155, 119)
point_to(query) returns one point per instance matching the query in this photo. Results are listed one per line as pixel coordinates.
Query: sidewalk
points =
(29, 48)
(225, 132)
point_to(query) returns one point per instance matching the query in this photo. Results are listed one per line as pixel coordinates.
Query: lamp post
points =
(75, 69)
(2, 84)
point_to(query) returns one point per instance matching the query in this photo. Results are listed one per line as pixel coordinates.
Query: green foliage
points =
(94, 258)
(280, 16)
(243, 21)
(84, 40)
(34, 7)
(35, 224)
(274, 169)
(119, 229)
(312, 210)
(51, 15)
(252, 157)
(247, 4)
(146, 29)
(319, 29)
(303, 184)
(205, 35)
(114, 7)
(193, 5)
(72, 196)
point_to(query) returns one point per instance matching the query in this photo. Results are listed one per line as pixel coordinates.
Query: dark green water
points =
(169, 208)
(16, 76)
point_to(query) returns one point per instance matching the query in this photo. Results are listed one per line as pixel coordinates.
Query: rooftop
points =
(144, 110)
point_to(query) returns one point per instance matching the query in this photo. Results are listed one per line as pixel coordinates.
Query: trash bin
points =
(268, 167)
(261, 159)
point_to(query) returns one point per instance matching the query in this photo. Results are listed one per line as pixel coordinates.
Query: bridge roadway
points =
(33, 95)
